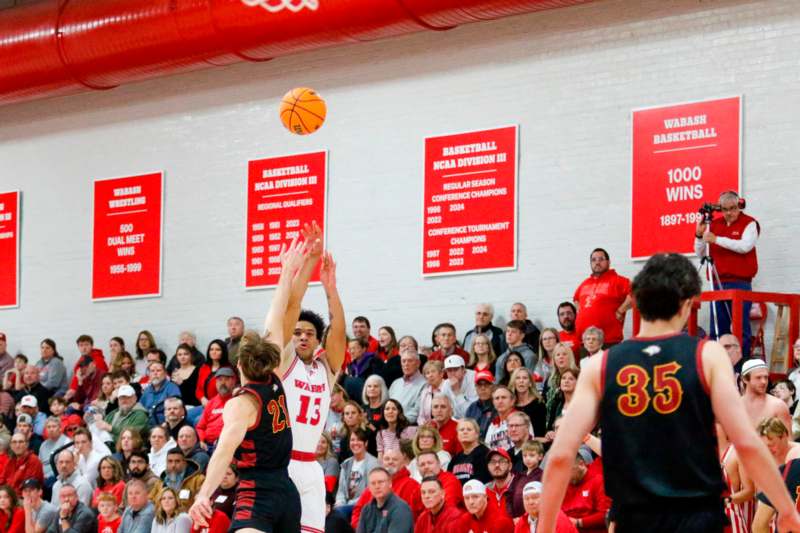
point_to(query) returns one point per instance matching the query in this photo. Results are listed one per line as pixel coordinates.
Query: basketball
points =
(303, 111)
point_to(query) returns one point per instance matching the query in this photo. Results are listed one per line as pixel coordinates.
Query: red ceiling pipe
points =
(58, 47)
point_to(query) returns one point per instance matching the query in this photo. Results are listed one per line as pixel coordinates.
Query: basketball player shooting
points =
(256, 428)
(657, 396)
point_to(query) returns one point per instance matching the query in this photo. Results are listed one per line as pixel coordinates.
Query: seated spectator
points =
(333, 425)
(38, 512)
(532, 494)
(443, 421)
(547, 343)
(327, 459)
(139, 514)
(88, 454)
(439, 516)
(101, 403)
(334, 522)
(568, 335)
(224, 498)
(387, 344)
(429, 465)
(85, 384)
(160, 444)
(484, 313)
(169, 518)
(566, 390)
(158, 389)
(58, 408)
(519, 312)
(12, 515)
(407, 389)
(74, 516)
(218, 523)
(174, 416)
(129, 441)
(109, 481)
(185, 375)
(497, 434)
(403, 486)
(515, 340)
(784, 390)
(563, 359)
(108, 517)
(393, 428)
(529, 401)
(138, 469)
(794, 375)
(12, 379)
(68, 474)
(210, 424)
(532, 454)
(216, 358)
(471, 462)
(483, 515)
(52, 372)
(513, 361)
(7, 409)
(145, 343)
(482, 410)
(459, 385)
(447, 344)
(362, 365)
(519, 432)
(30, 406)
(129, 415)
(116, 347)
(86, 347)
(353, 476)
(184, 476)
(352, 419)
(373, 397)
(434, 377)
(502, 476)
(393, 368)
(192, 448)
(22, 464)
(427, 440)
(127, 368)
(592, 340)
(585, 501)
(25, 427)
(189, 339)
(386, 510)
(481, 355)
(362, 330)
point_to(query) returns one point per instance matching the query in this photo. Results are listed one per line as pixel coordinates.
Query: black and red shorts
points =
(268, 503)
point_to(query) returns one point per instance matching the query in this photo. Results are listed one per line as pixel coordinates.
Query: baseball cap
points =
(497, 451)
(484, 375)
(126, 391)
(225, 371)
(86, 360)
(31, 483)
(24, 419)
(533, 487)
(473, 486)
(28, 401)
(752, 364)
(454, 361)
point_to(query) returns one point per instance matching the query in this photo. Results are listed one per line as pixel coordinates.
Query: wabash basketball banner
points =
(126, 252)
(683, 155)
(283, 193)
(9, 249)
(470, 203)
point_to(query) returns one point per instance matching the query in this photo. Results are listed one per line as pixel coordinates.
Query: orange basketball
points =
(303, 111)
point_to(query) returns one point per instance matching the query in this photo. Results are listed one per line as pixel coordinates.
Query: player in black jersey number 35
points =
(656, 398)
(256, 431)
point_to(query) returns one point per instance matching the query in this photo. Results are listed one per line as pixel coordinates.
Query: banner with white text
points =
(9, 248)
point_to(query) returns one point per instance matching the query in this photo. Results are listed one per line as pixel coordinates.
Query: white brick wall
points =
(569, 77)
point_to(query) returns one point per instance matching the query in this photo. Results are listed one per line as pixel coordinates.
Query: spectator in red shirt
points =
(87, 381)
(445, 335)
(387, 343)
(210, 424)
(361, 330)
(216, 358)
(429, 465)
(482, 515)
(23, 464)
(440, 516)
(532, 494)
(403, 485)
(498, 489)
(585, 502)
(442, 411)
(603, 299)
(86, 347)
(108, 517)
(12, 515)
(566, 319)
(218, 523)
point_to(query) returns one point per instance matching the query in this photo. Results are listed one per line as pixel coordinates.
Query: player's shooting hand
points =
(327, 273)
(292, 257)
(312, 234)
(201, 511)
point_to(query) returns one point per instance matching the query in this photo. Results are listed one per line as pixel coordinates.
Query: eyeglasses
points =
(500, 461)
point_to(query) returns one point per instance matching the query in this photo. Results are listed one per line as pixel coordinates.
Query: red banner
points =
(470, 204)
(126, 254)
(9, 249)
(283, 193)
(683, 155)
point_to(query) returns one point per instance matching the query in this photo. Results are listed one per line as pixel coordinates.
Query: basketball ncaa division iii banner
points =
(9, 248)
(683, 155)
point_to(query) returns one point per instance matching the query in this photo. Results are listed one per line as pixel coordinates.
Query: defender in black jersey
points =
(656, 398)
(765, 511)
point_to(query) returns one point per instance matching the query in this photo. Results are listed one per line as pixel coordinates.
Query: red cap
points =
(484, 375)
(498, 451)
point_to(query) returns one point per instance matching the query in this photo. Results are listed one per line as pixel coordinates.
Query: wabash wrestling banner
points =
(126, 251)
(9, 248)
(683, 155)
(283, 193)
(470, 202)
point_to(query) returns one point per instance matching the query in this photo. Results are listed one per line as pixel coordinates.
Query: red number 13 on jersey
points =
(305, 403)
(636, 400)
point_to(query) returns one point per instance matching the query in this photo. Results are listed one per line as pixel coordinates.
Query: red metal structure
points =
(57, 47)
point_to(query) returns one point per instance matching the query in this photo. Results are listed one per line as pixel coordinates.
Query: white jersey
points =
(308, 399)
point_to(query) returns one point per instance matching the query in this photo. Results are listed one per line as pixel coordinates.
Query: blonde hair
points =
(532, 390)
(427, 432)
(772, 427)
(555, 376)
(473, 357)
(161, 517)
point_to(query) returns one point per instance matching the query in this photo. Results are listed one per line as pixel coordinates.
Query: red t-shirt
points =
(449, 436)
(572, 340)
(105, 526)
(598, 299)
(588, 501)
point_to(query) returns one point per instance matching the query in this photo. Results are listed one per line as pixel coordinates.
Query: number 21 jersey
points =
(308, 399)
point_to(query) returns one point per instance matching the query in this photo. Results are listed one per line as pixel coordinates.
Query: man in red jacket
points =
(448, 344)
(23, 464)
(531, 495)
(585, 502)
(439, 516)
(482, 516)
(210, 424)
(442, 413)
(499, 462)
(429, 465)
(403, 486)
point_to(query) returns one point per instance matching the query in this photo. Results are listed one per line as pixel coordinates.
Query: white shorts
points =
(310, 483)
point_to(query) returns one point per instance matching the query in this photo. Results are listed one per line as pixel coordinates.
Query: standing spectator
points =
(447, 344)
(427, 440)
(531, 496)
(471, 462)
(12, 515)
(160, 444)
(502, 476)
(216, 358)
(515, 340)
(568, 334)
(547, 343)
(407, 390)
(440, 516)
(481, 355)
(519, 312)
(373, 397)
(139, 513)
(393, 428)
(185, 375)
(39, 514)
(434, 377)
(68, 474)
(784, 391)
(209, 426)
(482, 515)
(482, 410)
(403, 486)
(529, 401)
(192, 448)
(108, 517)
(532, 455)
(386, 512)
(585, 502)
(88, 457)
(175, 416)
(387, 344)
(129, 415)
(460, 385)
(484, 313)
(184, 476)
(144, 343)
(361, 330)
(224, 498)
(592, 339)
(139, 470)
(22, 464)
(235, 332)
(497, 434)
(353, 476)
(169, 518)
(52, 372)
(6, 361)
(74, 516)
(603, 299)
(189, 339)
(442, 408)
(158, 389)
(85, 384)
(55, 440)
(109, 481)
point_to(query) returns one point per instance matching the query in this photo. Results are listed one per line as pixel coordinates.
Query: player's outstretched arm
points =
(291, 260)
(237, 415)
(312, 234)
(730, 413)
(579, 420)
(336, 341)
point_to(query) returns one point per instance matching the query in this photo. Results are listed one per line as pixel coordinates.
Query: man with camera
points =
(731, 241)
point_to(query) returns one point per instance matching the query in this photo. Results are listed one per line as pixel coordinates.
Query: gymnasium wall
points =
(568, 77)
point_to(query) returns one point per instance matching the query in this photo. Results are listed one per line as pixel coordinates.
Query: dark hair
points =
(361, 342)
(518, 325)
(14, 504)
(161, 355)
(224, 360)
(51, 343)
(407, 448)
(141, 454)
(605, 253)
(567, 304)
(416, 344)
(393, 339)
(382, 470)
(257, 356)
(306, 315)
(361, 433)
(85, 338)
(789, 385)
(140, 354)
(116, 374)
(116, 467)
(437, 328)
(176, 451)
(516, 354)
(402, 421)
(82, 431)
(664, 282)
(363, 320)
(432, 479)
(120, 340)
(21, 356)
(185, 347)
